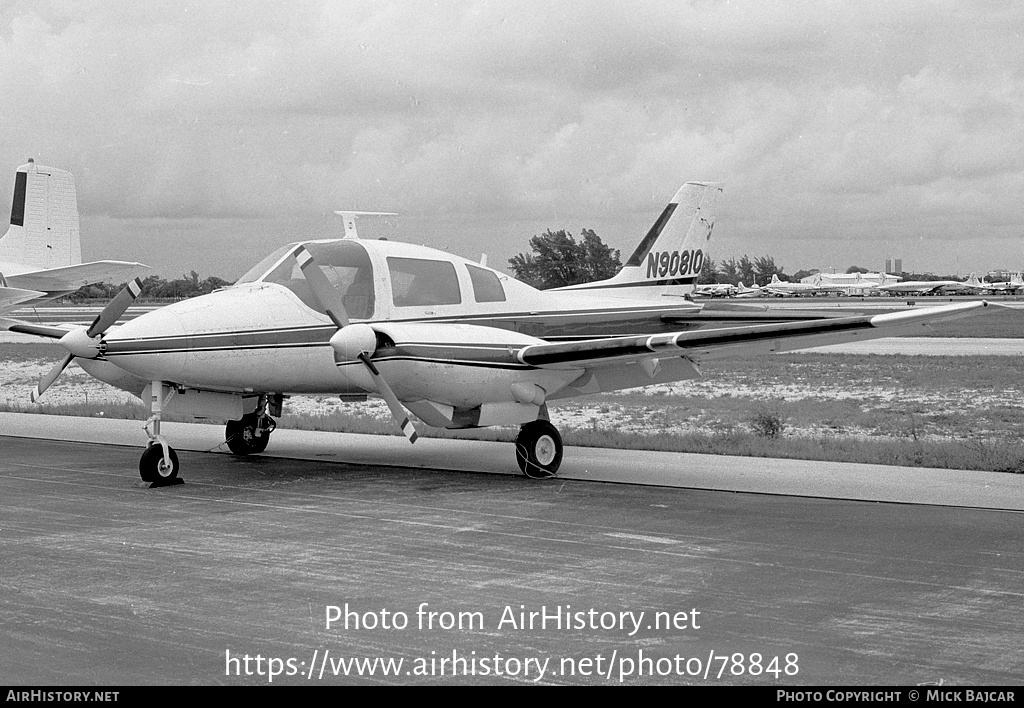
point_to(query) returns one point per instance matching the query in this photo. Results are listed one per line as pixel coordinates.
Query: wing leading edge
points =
(713, 343)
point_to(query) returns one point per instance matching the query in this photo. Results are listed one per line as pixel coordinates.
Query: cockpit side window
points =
(418, 281)
(348, 269)
(486, 286)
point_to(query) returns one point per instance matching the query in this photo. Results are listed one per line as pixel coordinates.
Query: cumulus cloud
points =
(881, 125)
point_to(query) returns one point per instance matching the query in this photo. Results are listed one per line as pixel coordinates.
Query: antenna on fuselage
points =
(349, 219)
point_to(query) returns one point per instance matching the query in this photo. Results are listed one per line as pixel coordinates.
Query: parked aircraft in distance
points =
(1015, 283)
(41, 253)
(455, 343)
(976, 286)
(854, 283)
(743, 291)
(714, 290)
(970, 285)
(781, 288)
(918, 287)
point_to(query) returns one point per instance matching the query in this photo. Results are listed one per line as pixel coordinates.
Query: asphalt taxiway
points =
(108, 582)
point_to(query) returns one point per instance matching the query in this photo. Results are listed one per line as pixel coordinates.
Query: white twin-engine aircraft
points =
(41, 254)
(455, 343)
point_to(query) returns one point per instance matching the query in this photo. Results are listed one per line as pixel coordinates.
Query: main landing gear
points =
(539, 449)
(250, 435)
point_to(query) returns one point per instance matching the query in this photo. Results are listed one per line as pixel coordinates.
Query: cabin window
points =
(345, 264)
(418, 281)
(486, 286)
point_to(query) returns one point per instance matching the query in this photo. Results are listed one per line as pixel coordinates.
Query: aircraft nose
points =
(152, 345)
(162, 325)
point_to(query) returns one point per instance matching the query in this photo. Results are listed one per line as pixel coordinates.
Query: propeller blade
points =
(115, 308)
(330, 300)
(397, 410)
(325, 293)
(50, 376)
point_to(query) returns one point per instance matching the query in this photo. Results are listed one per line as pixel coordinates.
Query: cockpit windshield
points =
(345, 263)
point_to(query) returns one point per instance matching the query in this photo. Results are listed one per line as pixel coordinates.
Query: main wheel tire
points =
(539, 449)
(246, 437)
(152, 467)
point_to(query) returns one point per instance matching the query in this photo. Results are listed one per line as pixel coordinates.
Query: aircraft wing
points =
(75, 276)
(9, 297)
(38, 330)
(737, 341)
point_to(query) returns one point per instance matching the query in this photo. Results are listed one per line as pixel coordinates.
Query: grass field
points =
(1001, 323)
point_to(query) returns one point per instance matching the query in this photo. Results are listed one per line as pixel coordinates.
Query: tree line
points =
(155, 288)
(557, 259)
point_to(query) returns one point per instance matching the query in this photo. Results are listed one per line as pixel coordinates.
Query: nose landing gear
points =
(159, 463)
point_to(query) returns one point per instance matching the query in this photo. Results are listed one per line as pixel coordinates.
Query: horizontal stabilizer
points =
(9, 297)
(75, 276)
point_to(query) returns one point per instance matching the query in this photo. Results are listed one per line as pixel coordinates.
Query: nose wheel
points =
(154, 468)
(539, 449)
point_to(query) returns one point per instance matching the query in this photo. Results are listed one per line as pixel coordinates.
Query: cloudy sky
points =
(204, 134)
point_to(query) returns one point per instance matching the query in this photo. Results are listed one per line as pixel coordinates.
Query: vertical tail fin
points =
(674, 249)
(44, 220)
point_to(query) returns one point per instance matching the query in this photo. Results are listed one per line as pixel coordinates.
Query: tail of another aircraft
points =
(44, 220)
(674, 249)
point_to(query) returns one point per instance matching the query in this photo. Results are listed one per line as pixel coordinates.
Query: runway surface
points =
(835, 480)
(108, 582)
